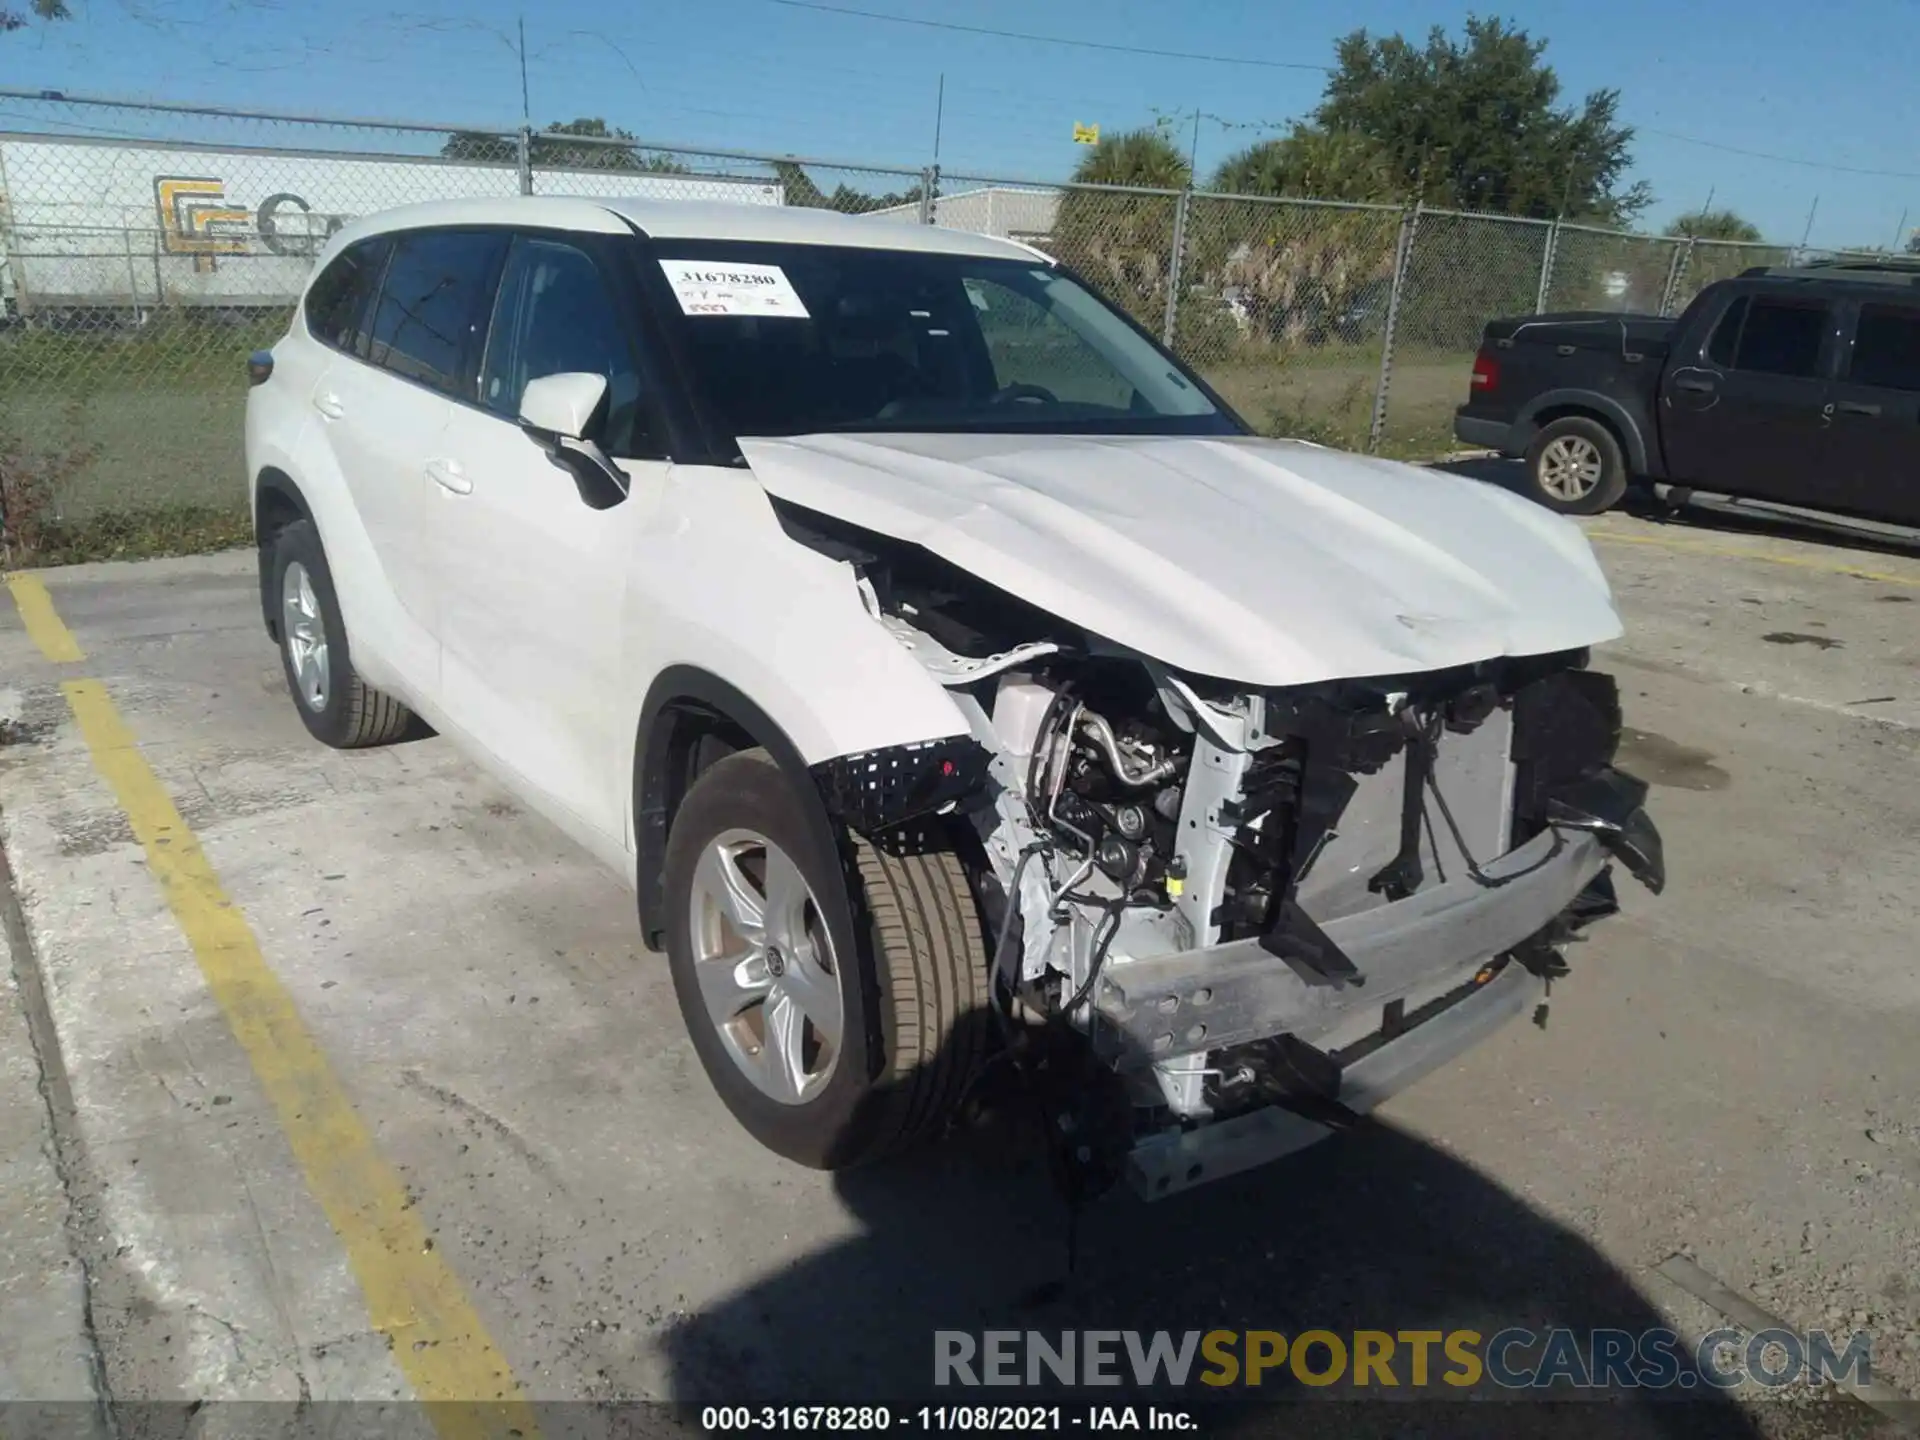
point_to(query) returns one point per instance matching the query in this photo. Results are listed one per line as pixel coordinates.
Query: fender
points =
(1632, 432)
(663, 758)
(277, 502)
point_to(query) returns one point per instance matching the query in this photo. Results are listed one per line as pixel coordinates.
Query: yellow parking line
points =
(1803, 562)
(44, 625)
(412, 1296)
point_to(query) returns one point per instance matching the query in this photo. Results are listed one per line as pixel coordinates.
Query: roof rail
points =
(1863, 269)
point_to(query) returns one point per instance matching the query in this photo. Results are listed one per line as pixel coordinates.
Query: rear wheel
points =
(1575, 466)
(338, 708)
(837, 1002)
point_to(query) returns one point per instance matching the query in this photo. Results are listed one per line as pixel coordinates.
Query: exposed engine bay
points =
(1226, 920)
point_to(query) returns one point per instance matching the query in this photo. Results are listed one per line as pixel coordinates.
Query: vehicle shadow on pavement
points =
(1730, 517)
(1376, 1229)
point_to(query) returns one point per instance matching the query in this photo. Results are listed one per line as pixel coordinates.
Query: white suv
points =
(948, 669)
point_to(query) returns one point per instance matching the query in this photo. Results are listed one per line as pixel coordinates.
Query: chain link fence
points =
(146, 248)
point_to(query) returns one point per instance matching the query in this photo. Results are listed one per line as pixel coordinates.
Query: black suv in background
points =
(1799, 385)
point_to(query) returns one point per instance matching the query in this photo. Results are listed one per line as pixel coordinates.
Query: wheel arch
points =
(1588, 405)
(689, 719)
(277, 503)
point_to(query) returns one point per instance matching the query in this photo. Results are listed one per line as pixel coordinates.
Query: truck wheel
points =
(1575, 466)
(339, 709)
(837, 1003)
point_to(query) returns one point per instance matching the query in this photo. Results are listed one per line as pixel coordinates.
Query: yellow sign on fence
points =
(1086, 134)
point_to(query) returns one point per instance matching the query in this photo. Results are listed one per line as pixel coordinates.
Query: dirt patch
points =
(1660, 761)
(1795, 637)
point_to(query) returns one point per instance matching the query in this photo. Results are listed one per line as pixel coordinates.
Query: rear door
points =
(1746, 415)
(1873, 440)
(385, 411)
(533, 578)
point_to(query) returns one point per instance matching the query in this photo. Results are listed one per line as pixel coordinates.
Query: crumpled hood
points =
(1267, 562)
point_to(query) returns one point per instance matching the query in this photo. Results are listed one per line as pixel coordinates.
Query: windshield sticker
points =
(707, 288)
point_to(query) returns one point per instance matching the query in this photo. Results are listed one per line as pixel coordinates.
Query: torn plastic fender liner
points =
(878, 790)
(1607, 803)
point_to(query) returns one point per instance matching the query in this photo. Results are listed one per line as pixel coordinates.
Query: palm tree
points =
(1713, 225)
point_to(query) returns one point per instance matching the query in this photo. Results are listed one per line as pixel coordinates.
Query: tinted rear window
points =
(434, 304)
(337, 300)
(1886, 348)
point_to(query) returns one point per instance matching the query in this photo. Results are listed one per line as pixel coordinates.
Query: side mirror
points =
(562, 407)
(560, 414)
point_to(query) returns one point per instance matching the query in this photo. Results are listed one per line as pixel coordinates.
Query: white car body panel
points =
(1264, 561)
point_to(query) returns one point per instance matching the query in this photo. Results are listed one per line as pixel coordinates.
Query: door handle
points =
(1856, 407)
(328, 404)
(1695, 387)
(448, 475)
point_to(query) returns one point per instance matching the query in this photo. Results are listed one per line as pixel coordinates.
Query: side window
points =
(554, 316)
(1782, 337)
(1726, 335)
(1029, 345)
(1886, 348)
(434, 304)
(336, 302)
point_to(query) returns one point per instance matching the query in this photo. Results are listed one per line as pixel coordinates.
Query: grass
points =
(141, 535)
(132, 437)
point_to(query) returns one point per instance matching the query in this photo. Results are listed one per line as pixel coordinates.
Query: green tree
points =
(1318, 164)
(604, 148)
(1713, 225)
(1122, 241)
(1476, 124)
(1136, 157)
(799, 189)
(40, 9)
(584, 144)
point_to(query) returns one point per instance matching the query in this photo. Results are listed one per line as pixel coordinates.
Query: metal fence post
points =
(1676, 271)
(929, 180)
(1175, 265)
(523, 147)
(1402, 254)
(1546, 269)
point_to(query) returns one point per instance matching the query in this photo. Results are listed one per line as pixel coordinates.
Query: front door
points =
(533, 579)
(1873, 440)
(1747, 416)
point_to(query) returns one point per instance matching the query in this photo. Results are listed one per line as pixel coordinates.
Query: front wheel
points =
(836, 1001)
(1575, 466)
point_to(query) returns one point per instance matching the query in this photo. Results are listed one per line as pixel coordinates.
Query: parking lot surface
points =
(361, 1086)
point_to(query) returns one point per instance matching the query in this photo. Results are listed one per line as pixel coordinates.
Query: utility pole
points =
(1193, 150)
(939, 109)
(1807, 234)
(526, 109)
(1900, 233)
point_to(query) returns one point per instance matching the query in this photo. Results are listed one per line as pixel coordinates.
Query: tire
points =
(342, 710)
(1555, 458)
(908, 966)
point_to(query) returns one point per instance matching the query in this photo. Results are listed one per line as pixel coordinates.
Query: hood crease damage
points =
(1266, 562)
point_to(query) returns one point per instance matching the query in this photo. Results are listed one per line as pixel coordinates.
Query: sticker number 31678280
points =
(711, 288)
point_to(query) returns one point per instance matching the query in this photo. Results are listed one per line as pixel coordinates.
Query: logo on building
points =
(196, 219)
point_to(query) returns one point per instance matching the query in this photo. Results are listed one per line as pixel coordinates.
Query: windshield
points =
(797, 339)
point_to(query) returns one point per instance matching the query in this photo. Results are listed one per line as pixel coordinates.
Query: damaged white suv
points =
(946, 667)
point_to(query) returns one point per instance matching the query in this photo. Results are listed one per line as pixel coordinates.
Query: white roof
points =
(685, 220)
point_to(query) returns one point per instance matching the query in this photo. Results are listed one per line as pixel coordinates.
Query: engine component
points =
(1126, 772)
(1118, 856)
(1130, 821)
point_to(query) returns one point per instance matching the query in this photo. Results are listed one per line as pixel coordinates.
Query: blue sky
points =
(1820, 83)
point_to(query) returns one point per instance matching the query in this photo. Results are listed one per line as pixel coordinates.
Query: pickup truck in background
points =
(1795, 385)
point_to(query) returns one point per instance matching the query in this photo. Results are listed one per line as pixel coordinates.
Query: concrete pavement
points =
(1730, 1070)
